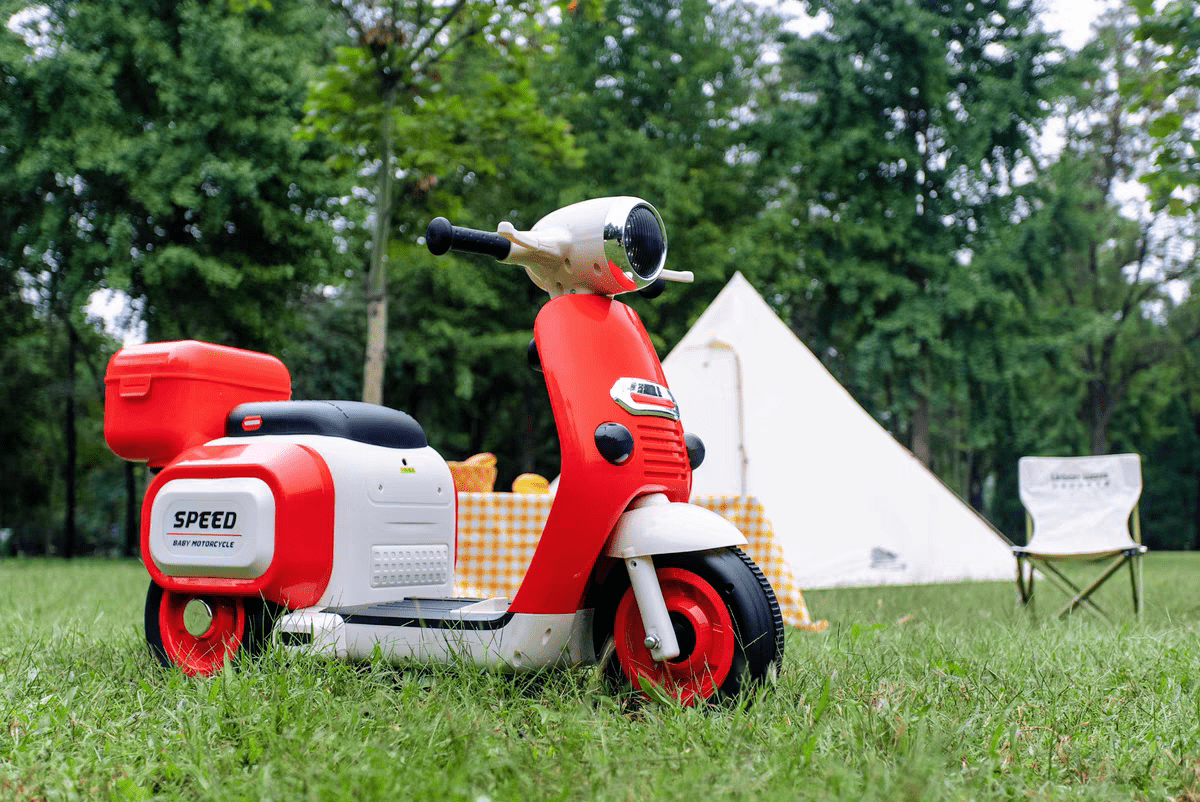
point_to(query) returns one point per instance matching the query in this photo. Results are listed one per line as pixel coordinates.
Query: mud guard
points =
(655, 525)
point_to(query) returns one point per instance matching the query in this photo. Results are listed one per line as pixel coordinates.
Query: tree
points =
(1116, 267)
(152, 152)
(893, 145)
(1171, 93)
(1095, 359)
(658, 95)
(148, 148)
(387, 103)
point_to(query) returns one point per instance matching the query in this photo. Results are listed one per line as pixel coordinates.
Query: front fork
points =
(660, 634)
(655, 525)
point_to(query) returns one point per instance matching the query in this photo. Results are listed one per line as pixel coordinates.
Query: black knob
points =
(439, 236)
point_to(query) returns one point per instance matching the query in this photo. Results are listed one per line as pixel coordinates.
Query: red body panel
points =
(304, 509)
(586, 343)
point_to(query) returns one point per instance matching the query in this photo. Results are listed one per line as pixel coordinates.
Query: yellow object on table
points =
(498, 532)
(531, 483)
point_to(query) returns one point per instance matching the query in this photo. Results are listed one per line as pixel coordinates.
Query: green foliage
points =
(889, 148)
(421, 92)
(1170, 96)
(657, 95)
(151, 150)
(148, 148)
(221, 162)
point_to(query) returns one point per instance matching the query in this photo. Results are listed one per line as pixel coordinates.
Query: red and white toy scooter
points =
(332, 524)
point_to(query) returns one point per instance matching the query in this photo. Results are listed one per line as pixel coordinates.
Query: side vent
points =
(663, 449)
(406, 566)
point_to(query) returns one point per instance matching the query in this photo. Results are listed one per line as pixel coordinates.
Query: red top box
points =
(163, 398)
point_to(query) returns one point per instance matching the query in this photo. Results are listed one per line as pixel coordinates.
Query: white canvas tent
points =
(849, 505)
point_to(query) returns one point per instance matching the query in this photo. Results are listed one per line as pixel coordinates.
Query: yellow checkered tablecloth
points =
(498, 532)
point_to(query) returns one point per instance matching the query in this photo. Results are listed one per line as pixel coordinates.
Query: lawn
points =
(925, 693)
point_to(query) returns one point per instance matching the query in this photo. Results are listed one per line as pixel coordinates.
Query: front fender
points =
(655, 525)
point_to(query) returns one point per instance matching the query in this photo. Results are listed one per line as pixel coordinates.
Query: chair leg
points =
(1135, 581)
(1024, 585)
(1081, 597)
(1084, 595)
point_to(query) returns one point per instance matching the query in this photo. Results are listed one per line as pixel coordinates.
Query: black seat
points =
(353, 420)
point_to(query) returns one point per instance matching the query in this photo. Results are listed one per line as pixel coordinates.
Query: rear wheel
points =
(725, 616)
(200, 632)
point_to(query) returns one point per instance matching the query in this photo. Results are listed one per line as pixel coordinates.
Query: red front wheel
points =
(726, 619)
(200, 632)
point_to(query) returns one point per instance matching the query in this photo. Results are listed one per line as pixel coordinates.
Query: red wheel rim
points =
(201, 654)
(692, 602)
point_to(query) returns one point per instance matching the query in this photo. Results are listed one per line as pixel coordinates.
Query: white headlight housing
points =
(605, 245)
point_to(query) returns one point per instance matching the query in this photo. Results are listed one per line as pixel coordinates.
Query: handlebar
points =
(621, 239)
(441, 237)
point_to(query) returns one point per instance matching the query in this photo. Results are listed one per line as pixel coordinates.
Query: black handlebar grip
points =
(441, 237)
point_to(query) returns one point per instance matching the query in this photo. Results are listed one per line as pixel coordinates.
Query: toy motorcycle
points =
(331, 524)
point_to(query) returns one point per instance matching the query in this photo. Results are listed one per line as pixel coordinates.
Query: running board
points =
(483, 632)
(459, 614)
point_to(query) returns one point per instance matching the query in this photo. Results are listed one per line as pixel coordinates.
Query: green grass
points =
(923, 693)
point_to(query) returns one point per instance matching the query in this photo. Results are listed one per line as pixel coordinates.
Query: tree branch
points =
(433, 33)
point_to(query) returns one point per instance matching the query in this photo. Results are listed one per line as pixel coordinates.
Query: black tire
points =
(239, 626)
(745, 594)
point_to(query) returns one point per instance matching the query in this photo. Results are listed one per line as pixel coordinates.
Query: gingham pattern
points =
(498, 532)
(747, 514)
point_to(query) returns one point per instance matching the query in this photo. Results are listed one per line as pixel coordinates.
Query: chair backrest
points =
(1080, 506)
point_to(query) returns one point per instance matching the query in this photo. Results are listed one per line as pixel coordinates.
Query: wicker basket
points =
(475, 474)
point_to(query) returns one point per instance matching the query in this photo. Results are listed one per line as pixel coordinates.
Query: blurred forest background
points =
(987, 237)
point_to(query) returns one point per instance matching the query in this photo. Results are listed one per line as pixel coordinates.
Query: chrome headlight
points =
(635, 240)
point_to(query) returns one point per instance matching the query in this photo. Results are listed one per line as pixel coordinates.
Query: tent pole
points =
(741, 417)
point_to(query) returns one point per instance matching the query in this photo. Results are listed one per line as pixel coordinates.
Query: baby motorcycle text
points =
(331, 525)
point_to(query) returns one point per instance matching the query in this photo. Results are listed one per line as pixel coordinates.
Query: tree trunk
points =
(71, 445)
(377, 313)
(1196, 514)
(528, 447)
(920, 431)
(1196, 498)
(974, 483)
(1099, 414)
(131, 517)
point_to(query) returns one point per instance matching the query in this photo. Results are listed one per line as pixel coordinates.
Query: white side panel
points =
(528, 642)
(213, 527)
(388, 501)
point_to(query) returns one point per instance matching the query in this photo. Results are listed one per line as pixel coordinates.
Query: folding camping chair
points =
(1080, 509)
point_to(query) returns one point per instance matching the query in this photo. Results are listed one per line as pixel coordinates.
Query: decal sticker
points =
(203, 529)
(644, 397)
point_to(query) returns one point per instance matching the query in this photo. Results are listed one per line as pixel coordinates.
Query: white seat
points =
(1080, 508)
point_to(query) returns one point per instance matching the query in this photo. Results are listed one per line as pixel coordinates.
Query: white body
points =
(525, 642)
